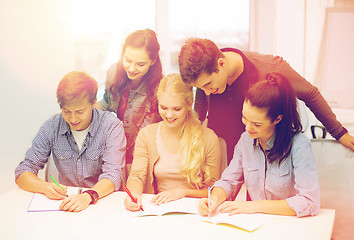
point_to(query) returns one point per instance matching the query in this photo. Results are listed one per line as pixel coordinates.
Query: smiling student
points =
(87, 145)
(176, 157)
(273, 158)
(225, 75)
(131, 86)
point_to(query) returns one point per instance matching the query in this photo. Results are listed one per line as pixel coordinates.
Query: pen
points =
(209, 202)
(131, 196)
(55, 181)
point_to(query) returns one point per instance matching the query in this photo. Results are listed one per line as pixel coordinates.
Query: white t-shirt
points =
(80, 136)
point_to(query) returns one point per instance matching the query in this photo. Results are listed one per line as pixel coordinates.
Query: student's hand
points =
(76, 202)
(52, 191)
(235, 207)
(132, 206)
(168, 196)
(203, 206)
(348, 141)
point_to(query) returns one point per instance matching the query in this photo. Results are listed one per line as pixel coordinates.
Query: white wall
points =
(295, 30)
(35, 52)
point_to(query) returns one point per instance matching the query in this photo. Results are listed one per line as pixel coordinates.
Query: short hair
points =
(74, 86)
(196, 56)
(276, 94)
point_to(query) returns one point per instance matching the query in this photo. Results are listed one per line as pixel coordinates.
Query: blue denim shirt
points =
(295, 179)
(138, 113)
(102, 154)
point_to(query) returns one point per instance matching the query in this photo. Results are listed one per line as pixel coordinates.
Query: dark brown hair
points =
(196, 56)
(140, 39)
(277, 95)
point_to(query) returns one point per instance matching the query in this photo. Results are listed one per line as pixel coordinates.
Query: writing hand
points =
(132, 206)
(203, 206)
(52, 191)
(168, 196)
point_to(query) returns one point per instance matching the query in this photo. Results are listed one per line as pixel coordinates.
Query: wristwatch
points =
(93, 194)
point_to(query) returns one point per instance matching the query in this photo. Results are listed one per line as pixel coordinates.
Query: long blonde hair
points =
(193, 141)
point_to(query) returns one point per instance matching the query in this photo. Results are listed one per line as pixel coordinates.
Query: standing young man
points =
(87, 145)
(224, 76)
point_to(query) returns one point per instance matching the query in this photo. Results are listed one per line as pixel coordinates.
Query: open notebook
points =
(41, 202)
(180, 206)
(248, 222)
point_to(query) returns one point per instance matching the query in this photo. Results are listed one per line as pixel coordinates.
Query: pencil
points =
(55, 181)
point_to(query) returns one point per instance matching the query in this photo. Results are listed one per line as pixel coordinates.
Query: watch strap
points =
(93, 194)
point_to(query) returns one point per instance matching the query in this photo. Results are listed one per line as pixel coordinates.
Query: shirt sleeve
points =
(313, 99)
(140, 163)
(114, 154)
(232, 178)
(37, 156)
(107, 100)
(201, 104)
(213, 157)
(306, 202)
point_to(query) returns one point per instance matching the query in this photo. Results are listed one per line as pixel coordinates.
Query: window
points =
(100, 28)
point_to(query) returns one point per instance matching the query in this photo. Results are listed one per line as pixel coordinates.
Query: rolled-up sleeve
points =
(232, 178)
(114, 155)
(37, 156)
(306, 202)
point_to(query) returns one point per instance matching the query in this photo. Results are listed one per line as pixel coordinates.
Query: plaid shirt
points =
(102, 154)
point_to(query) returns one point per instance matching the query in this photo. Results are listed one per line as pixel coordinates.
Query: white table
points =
(103, 221)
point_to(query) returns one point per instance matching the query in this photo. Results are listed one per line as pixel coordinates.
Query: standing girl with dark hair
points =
(131, 86)
(273, 158)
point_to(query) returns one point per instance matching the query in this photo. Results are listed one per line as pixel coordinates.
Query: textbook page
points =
(248, 222)
(183, 205)
(41, 202)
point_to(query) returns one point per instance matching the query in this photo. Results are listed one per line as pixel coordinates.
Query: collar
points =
(249, 70)
(64, 127)
(270, 142)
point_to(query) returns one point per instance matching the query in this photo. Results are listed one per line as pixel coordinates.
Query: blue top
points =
(102, 154)
(295, 180)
